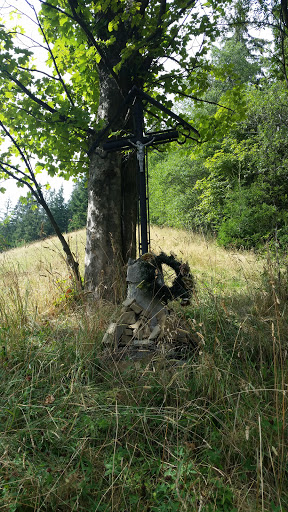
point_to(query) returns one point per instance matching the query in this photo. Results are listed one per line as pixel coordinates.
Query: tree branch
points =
(79, 19)
(189, 4)
(201, 99)
(42, 103)
(57, 9)
(91, 38)
(29, 93)
(15, 143)
(41, 200)
(284, 11)
(20, 180)
(54, 60)
(144, 5)
(37, 45)
(14, 168)
(38, 71)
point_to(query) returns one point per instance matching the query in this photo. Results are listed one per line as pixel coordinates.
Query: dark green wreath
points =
(182, 286)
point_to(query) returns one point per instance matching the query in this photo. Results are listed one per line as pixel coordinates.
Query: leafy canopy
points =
(49, 110)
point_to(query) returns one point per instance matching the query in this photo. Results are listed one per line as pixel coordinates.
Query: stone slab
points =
(143, 343)
(128, 302)
(129, 317)
(126, 339)
(155, 333)
(118, 333)
(135, 307)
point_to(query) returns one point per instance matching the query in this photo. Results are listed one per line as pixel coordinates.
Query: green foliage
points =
(51, 116)
(172, 198)
(235, 184)
(27, 222)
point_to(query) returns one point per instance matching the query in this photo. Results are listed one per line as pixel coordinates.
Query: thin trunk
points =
(74, 265)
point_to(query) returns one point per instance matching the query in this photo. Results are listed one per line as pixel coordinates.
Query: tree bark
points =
(112, 208)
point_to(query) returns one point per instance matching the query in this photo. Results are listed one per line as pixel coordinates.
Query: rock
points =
(138, 334)
(136, 290)
(126, 339)
(155, 333)
(111, 328)
(128, 302)
(136, 308)
(162, 316)
(118, 333)
(146, 327)
(113, 334)
(143, 343)
(145, 331)
(137, 325)
(108, 337)
(129, 317)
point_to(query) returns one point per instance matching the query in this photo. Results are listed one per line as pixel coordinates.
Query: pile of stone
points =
(146, 330)
(135, 327)
(145, 324)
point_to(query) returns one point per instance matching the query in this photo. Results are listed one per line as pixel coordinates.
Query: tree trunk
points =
(112, 208)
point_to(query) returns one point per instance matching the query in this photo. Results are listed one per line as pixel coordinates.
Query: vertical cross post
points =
(138, 119)
(139, 140)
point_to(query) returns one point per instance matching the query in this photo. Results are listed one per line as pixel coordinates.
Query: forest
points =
(234, 186)
(27, 221)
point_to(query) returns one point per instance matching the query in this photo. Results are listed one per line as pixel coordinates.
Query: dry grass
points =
(40, 269)
(206, 258)
(42, 272)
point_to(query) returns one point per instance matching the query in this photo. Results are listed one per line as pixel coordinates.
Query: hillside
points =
(42, 270)
(80, 432)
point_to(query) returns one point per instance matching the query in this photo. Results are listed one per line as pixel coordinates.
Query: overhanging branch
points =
(54, 61)
(30, 94)
(201, 100)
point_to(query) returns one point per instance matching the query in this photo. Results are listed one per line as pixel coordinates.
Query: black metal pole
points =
(138, 131)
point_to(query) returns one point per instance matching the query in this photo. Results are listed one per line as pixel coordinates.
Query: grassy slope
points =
(79, 433)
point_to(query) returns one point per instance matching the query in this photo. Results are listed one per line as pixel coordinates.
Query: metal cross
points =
(140, 141)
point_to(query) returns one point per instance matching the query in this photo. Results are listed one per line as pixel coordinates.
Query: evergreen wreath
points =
(182, 286)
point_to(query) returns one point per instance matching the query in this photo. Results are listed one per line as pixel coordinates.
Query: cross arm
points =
(151, 139)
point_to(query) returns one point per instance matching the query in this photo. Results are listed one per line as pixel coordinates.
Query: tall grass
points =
(81, 431)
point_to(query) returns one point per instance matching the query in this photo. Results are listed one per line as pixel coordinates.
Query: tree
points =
(190, 187)
(104, 47)
(26, 221)
(59, 209)
(78, 205)
(5, 227)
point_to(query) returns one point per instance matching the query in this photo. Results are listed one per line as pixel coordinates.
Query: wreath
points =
(182, 286)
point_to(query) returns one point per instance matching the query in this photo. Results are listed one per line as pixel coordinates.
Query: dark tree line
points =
(27, 221)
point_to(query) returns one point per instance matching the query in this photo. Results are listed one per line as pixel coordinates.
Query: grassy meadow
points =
(79, 432)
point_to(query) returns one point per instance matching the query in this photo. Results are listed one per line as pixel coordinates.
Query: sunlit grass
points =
(209, 262)
(41, 267)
